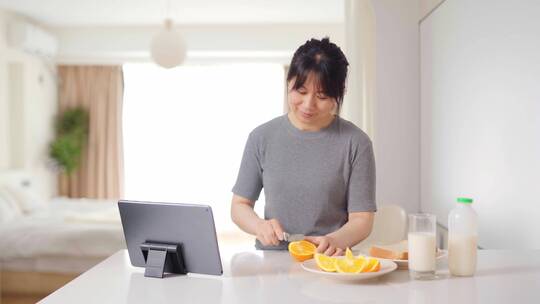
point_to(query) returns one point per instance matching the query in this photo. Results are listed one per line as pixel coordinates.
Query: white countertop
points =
(252, 276)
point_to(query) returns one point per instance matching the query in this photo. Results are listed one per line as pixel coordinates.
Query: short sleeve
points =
(249, 181)
(361, 192)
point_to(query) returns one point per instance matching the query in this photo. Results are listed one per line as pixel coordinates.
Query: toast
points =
(397, 251)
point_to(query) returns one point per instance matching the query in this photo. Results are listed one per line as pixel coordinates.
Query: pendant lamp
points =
(168, 48)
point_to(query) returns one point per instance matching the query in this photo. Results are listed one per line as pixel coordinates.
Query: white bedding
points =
(51, 264)
(70, 228)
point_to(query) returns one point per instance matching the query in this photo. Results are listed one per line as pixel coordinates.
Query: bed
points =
(45, 243)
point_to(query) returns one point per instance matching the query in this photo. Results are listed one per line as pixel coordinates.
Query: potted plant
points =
(71, 137)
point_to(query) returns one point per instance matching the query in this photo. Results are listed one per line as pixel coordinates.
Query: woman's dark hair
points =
(328, 64)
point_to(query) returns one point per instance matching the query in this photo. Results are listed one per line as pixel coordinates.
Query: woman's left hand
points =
(326, 244)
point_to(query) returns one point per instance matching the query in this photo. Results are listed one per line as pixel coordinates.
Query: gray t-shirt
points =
(311, 179)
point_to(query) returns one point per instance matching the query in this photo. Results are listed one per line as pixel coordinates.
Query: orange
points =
(348, 265)
(325, 262)
(302, 250)
(349, 254)
(373, 265)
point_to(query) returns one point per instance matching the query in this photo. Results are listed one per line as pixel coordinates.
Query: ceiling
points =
(65, 13)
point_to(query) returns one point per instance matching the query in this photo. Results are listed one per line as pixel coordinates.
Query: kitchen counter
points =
(252, 276)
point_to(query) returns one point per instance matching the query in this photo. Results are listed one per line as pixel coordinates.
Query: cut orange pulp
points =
(302, 250)
(347, 265)
(373, 265)
(325, 262)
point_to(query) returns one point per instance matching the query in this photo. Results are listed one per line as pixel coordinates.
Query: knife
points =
(293, 237)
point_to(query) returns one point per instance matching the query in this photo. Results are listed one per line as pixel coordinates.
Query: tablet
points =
(170, 237)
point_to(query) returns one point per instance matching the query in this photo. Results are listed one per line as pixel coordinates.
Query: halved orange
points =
(373, 265)
(325, 262)
(347, 265)
(302, 250)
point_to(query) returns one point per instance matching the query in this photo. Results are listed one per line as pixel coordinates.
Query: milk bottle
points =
(462, 238)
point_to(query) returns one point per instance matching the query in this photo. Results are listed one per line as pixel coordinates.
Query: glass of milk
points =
(422, 246)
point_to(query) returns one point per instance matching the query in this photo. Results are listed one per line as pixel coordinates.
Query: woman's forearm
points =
(245, 217)
(268, 232)
(357, 228)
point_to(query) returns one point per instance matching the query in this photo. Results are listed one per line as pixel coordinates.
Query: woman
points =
(317, 169)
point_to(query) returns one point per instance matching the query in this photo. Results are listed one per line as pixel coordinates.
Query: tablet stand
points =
(161, 257)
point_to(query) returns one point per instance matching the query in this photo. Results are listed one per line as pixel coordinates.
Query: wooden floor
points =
(21, 299)
(30, 287)
(235, 238)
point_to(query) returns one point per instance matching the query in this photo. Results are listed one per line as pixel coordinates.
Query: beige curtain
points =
(99, 89)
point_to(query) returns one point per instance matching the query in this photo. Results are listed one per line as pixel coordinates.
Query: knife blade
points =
(293, 237)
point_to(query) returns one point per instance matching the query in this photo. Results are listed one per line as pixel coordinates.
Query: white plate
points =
(404, 264)
(386, 267)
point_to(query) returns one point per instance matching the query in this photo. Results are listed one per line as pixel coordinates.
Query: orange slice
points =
(347, 265)
(373, 265)
(348, 254)
(325, 262)
(302, 250)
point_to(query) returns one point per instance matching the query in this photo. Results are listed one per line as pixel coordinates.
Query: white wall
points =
(206, 43)
(28, 104)
(427, 6)
(396, 107)
(480, 135)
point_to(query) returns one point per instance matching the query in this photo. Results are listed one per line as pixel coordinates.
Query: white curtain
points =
(360, 49)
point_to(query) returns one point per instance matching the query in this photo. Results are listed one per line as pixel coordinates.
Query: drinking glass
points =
(422, 246)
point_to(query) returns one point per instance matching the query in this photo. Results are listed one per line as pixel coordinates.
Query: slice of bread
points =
(397, 251)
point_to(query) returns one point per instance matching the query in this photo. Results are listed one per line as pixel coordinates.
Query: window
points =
(185, 130)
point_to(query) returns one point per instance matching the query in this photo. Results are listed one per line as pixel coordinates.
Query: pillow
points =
(26, 199)
(9, 207)
(23, 187)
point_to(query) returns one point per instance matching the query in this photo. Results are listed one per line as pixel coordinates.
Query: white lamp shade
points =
(168, 48)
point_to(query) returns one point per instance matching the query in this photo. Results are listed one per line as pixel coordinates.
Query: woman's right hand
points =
(269, 232)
